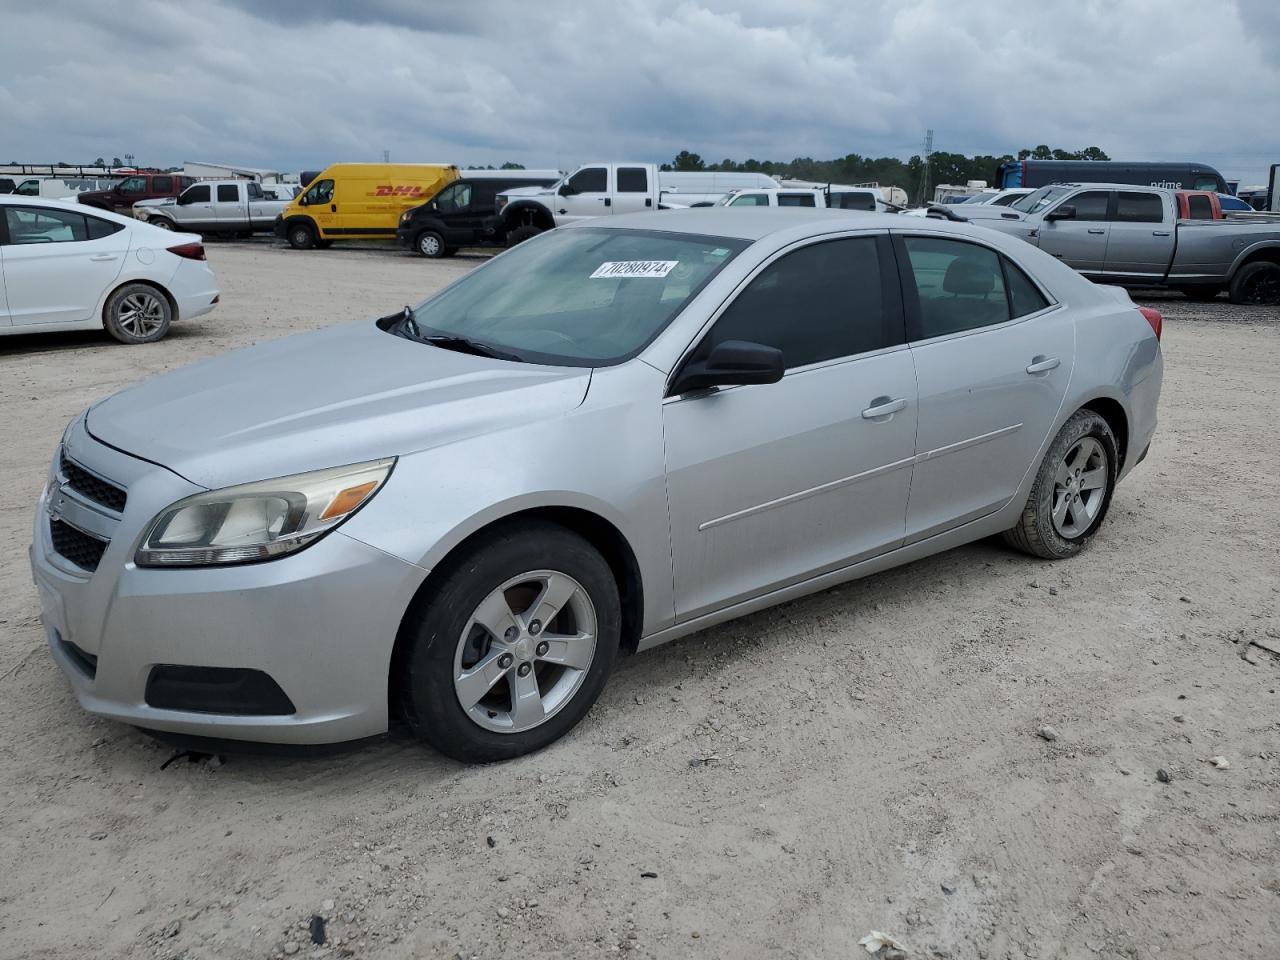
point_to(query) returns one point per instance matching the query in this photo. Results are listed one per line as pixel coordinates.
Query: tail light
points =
(195, 251)
(1153, 318)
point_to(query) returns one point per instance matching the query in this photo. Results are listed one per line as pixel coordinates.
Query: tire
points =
(1053, 534)
(430, 244)
(301, 236)
(1201, 294)
(521, 234)
(164, 223)
(137, 313)
(1257, 284)
(502, 578)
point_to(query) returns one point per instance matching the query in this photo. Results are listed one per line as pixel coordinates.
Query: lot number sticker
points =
(634, 268)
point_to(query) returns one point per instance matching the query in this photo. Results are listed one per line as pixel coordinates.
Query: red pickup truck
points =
(135, 187)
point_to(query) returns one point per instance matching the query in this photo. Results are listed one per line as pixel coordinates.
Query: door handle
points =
(883, 407)
(333, 208)
(648, 201)
(608, 202)
(1160, 233)
(1097, 230)
(103, 256)
(1042, 364)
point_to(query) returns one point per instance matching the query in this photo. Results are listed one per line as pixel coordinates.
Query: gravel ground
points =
(867, 758)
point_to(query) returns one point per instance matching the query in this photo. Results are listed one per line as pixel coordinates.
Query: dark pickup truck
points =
(135, 187)
(1134, 236)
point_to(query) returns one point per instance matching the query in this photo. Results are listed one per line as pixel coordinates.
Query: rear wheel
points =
(513, 645)
(302, 236)
(164, 223)
(1071, 492)
(1257, 284)
(137, 313)
(521, 234)
(430, 244)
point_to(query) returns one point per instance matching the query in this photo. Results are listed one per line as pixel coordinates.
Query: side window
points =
(1024, 296)
(750, 200)
(454, 197)
(162, 184)
(99, 228)
(1199, 207)
(1091, 206)
(1134, 207)
(796, 200)
(590, 180)
(817, 303)
(227, 193)
(44, 225)
(320, 192)
(633, 180)
(255, 191)
(960, 285)
(197, 194)
(133, 185)
(1205, 183)
(854, 200)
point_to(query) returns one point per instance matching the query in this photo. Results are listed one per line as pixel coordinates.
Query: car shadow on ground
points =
(36, 343)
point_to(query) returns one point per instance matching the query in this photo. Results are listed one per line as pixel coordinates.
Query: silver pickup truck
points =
(1131, 235)
(236, 207)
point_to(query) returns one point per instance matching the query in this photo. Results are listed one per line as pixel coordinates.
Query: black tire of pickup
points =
(1201, 294)
(1257, 284)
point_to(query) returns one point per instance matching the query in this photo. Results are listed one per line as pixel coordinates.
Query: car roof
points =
(13, 200)
(749, 223)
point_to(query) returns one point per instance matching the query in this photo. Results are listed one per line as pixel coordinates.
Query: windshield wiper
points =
(464, 345)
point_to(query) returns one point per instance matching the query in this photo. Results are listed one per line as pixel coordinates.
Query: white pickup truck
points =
(602, 189)
(234, 207)
(834, 197)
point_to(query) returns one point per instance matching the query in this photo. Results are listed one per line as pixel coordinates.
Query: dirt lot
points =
(864, 759)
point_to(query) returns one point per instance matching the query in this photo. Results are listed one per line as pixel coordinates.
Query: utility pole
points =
(924, 172)
(386, 156)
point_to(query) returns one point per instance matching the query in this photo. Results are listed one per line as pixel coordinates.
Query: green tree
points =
(511, 166)
(687, 161)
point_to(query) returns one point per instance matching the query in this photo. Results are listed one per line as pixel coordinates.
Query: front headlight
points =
(406, 216)
(259, 521)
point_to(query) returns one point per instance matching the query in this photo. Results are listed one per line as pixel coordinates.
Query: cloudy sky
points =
(291, 84)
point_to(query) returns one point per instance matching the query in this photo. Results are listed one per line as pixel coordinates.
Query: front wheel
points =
(301, 236)
(1257, 284)
(513, 646)
(164, 223)
(430, 244)
(1071, 492)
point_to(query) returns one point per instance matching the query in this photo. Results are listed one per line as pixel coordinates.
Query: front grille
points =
(80, 548)
(94, 488)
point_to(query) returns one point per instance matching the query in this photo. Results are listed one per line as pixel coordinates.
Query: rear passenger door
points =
(1081, 240)
(230, 210)
(772, 484)
(993, 356)
(1140, 245)
(632, 192)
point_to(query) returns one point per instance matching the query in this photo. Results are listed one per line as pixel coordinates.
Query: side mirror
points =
(304, 202)
(1064, 212)
(731, 363)
(566, 190)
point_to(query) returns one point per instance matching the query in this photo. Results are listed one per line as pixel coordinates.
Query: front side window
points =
(590, 180)
(633, 180)
(960, 285)
(1205, 183)
(1005, 201)
(749, 200)
(28, 188)
(227, 193)
(1134, 207)
(320, 192)
(796, 200)
(1039, 200)
(455, 197)
(1091, 206)
(817, 303)
(197, 194)
(580, 297)
(42, 225)
(133, 185)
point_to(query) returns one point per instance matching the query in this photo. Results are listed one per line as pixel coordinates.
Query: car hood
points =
(987, 211)
(337, 396)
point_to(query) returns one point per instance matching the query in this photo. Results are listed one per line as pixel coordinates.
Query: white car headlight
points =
(259, 521)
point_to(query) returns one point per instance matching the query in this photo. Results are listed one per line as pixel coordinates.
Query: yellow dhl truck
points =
(359, 201)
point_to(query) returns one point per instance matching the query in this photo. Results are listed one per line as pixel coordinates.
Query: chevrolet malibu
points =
(602, 440)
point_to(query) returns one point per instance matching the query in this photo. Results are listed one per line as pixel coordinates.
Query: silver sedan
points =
(606, 438)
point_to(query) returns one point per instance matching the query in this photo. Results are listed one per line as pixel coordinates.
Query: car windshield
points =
(580, 297)
(1037, 201)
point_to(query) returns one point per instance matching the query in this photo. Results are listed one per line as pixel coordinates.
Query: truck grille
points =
(94, 488)
(80, 548)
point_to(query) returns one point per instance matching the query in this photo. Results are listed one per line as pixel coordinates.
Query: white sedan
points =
(63, 267)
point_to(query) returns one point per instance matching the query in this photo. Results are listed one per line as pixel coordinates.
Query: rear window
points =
(1199, 208)
(1133, 207)
(227, 193)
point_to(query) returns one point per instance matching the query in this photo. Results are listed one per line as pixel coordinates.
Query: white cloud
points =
(300, 84)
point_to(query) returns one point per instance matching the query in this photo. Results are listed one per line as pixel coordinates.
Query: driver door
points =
(772, 484)
(587, 195)
(1080, 241)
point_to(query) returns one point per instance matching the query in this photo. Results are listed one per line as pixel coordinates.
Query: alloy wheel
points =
(429, 245)
(525, 651)
(1080, 487)
(141, 314)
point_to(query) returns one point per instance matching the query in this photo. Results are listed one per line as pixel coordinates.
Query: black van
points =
(1173, 176)
(455, 217)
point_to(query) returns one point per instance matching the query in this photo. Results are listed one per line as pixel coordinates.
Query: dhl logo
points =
(401, 191)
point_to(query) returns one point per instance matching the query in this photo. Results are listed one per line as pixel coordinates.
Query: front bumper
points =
(321, 623)
(278, 228)
(406, 235)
